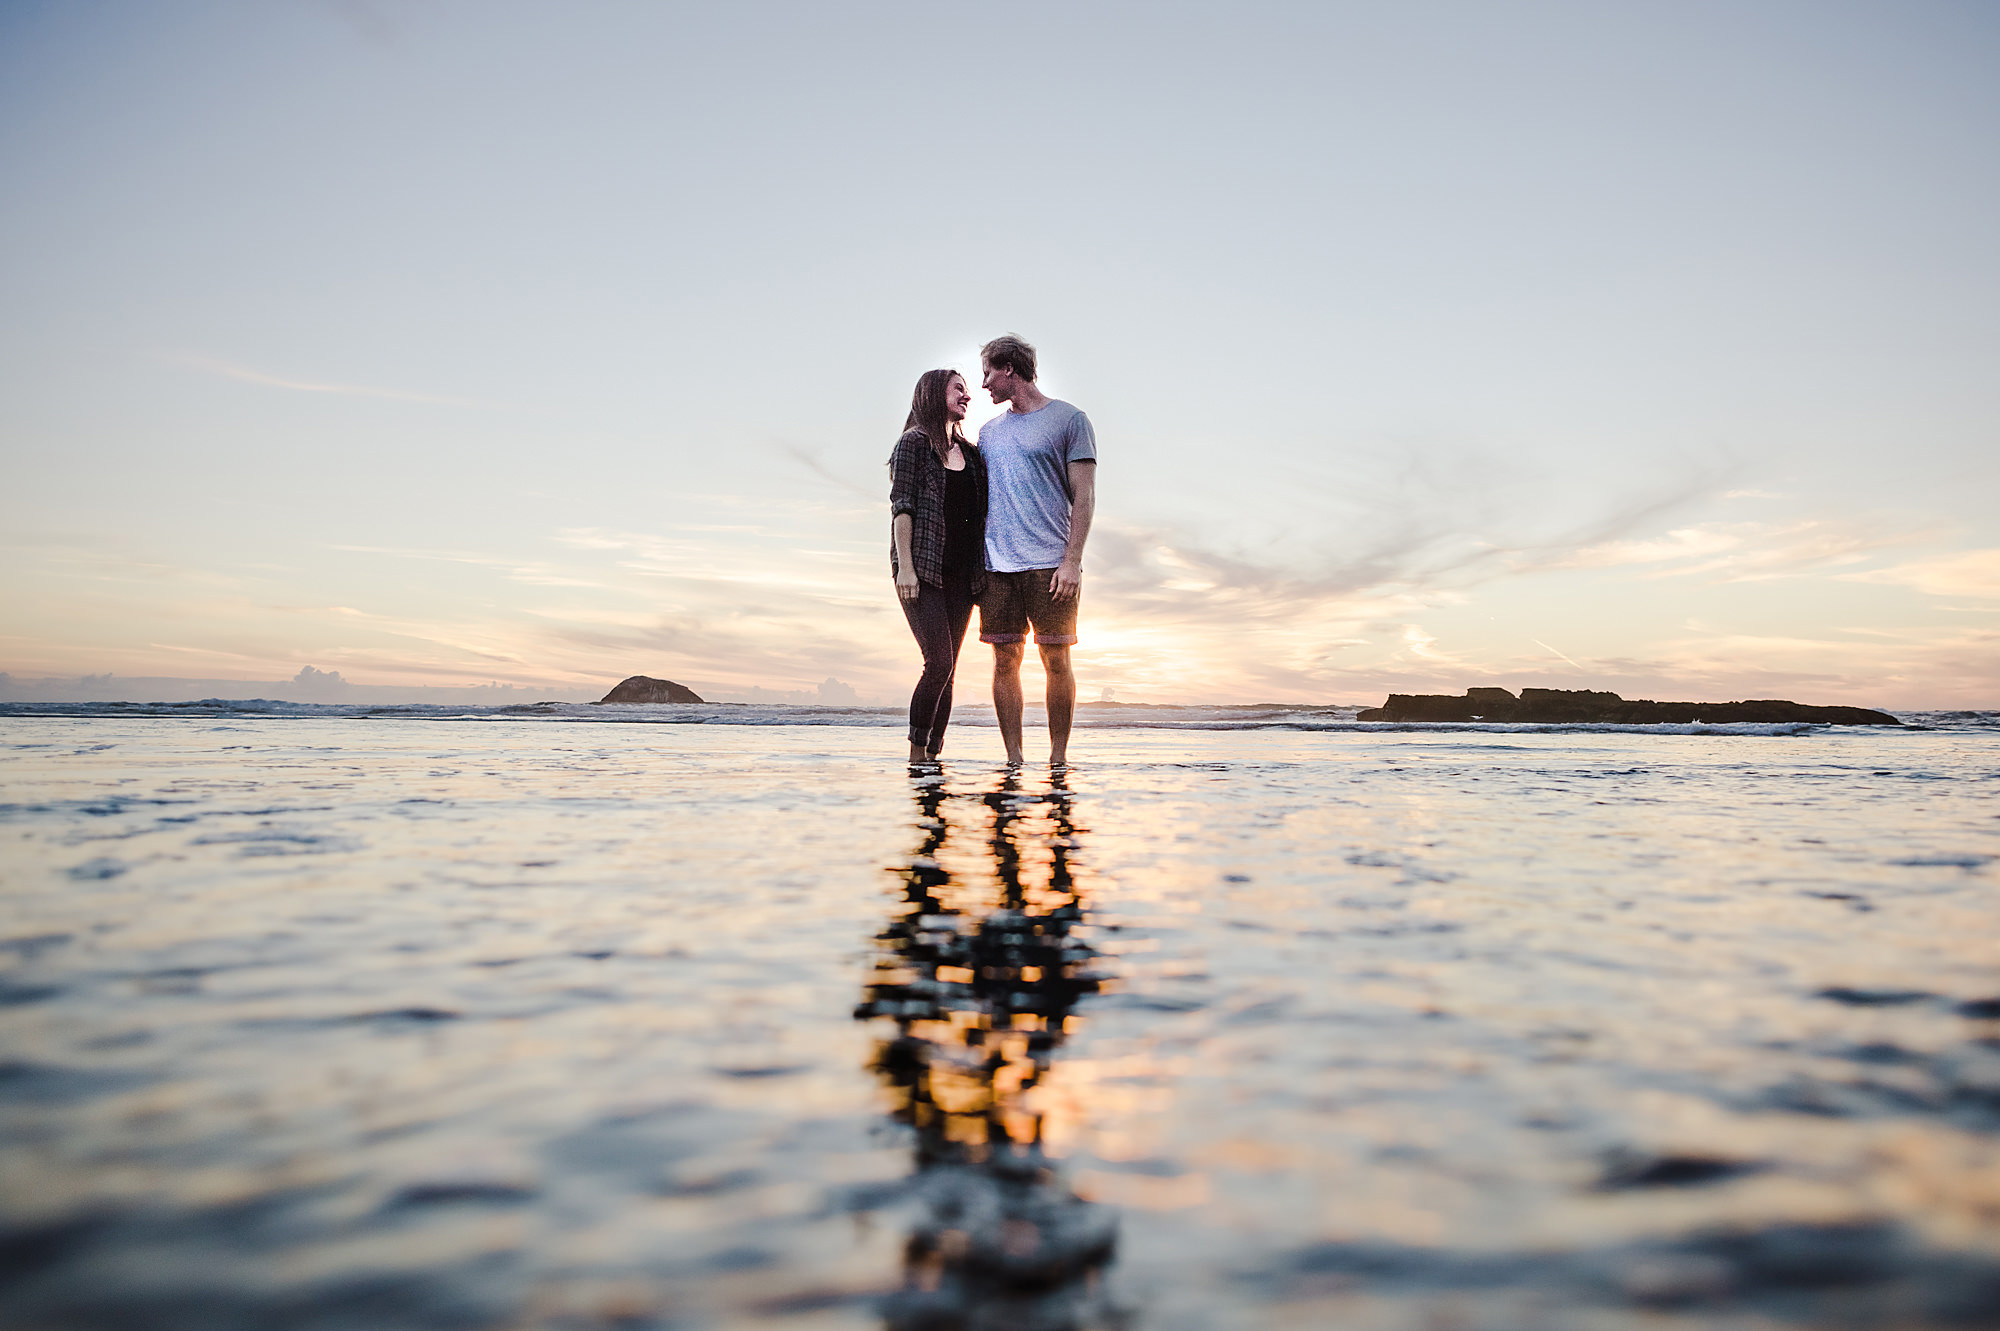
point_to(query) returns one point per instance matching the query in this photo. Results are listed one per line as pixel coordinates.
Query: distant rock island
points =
(1561, 705)
(644, 688)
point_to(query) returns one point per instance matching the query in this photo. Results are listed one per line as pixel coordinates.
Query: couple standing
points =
(1000, 524)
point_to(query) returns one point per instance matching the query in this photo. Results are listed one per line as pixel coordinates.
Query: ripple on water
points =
(721, 1025)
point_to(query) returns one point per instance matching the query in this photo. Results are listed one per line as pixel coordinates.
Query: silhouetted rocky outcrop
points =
(1571, 705)
(644, 688)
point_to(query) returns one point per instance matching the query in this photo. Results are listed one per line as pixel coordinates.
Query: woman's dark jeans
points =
(938, 617)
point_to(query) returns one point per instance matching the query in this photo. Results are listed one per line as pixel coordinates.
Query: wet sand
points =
(341, 1023)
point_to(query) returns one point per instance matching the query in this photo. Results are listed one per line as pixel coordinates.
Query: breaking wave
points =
(1090, 716)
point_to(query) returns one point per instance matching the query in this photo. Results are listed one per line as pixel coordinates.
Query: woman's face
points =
(957, 398)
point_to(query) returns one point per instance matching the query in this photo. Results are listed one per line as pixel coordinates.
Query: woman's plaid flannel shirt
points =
(916, 487)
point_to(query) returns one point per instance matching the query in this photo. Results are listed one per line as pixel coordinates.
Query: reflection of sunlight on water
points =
(980, 970)
(371, 1025)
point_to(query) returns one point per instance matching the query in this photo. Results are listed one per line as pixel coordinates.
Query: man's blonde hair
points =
(1008, 352)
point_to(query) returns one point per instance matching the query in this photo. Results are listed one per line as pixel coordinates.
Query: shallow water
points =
(331, 1021)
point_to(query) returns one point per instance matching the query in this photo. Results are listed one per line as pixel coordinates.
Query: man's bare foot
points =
(919, 755)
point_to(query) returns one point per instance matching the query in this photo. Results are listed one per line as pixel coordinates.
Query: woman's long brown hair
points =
(927, 412)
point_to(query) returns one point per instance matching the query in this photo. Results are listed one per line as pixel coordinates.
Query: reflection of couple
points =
(1000, 523)
(982, 984)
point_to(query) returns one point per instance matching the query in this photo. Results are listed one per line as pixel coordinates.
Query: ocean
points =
(565, 1016)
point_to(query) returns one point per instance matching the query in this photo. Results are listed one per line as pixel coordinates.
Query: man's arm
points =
(1068, 579)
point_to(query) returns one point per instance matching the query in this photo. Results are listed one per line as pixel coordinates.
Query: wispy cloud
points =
(1342, 594)
(1974, 573)
(1182, 616)
(1422, 550)
(1744, 551)
(811, 460)
(1564, 655)
(229, 369)
(532, 574)
(1921, 666)
(757, 557)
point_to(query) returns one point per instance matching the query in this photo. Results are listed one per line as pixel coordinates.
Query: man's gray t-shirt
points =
(1028, 495)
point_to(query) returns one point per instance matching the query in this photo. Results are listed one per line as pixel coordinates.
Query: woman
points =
(937, 506)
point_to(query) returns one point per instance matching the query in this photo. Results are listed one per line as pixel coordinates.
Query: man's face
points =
(957, 399)
(1000, 385)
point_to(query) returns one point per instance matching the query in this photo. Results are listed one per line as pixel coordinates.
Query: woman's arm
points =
(904, 481)
(906, 568)
(904, 477)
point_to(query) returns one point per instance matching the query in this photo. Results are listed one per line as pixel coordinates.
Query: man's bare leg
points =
(1007, 695)
(1061, 701)
(918, 754)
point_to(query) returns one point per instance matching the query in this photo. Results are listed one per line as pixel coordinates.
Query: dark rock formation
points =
(1560, 705)
(644, 688)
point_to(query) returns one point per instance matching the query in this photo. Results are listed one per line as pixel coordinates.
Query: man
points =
(1041, 467)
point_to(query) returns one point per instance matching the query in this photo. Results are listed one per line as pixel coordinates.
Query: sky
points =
(1429, 344)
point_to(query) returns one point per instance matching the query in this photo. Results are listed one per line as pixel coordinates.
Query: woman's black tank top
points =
(962, 546)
